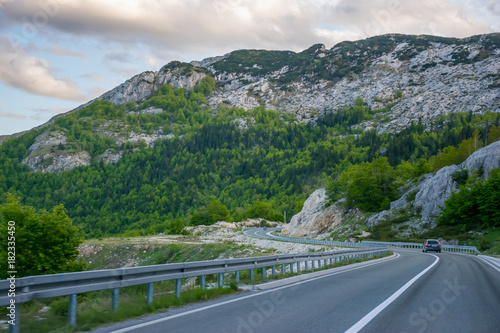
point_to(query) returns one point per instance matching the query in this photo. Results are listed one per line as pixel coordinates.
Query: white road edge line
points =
(127, 329)
(492, 263)
(366, 319)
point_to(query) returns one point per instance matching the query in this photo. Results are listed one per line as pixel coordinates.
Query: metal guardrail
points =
(447, 248)
(319, 242)
(71, 284)
(314, 241)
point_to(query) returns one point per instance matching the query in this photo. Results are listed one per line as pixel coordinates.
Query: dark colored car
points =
(431, 245)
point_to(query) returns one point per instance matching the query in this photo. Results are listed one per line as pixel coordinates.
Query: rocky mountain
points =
(422, 76)
(257, 131)
(401, 78)
(419, 76)
(426, 197)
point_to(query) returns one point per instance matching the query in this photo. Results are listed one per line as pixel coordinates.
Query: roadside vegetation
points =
(228, 164)
(94, 309)
(37, 243)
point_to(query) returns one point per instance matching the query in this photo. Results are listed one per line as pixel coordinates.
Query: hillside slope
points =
(421, 76)
(426, 196)
(403, 78)
(253, 128)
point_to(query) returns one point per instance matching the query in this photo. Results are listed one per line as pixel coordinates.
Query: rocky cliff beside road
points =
(317, 219)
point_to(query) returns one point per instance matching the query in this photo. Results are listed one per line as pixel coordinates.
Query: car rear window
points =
(433, 242)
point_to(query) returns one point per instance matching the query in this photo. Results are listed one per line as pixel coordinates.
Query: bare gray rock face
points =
(312, 207)
(314, 217)
(487, 158)
(433, 191)
(407, 82)
(142, 85)
(428, 83)
(46, 154)
(57, 162)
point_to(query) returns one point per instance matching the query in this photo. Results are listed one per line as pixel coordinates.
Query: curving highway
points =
(410, 292)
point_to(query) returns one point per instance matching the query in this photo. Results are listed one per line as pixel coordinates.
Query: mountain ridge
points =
(338, 76)
(242, 132)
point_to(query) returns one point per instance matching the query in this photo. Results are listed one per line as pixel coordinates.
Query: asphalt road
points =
(414, 292)
(259, 233)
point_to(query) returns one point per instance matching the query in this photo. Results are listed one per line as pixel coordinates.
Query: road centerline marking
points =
(372, 314)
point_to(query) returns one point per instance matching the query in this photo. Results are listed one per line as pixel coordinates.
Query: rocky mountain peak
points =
(400, 78)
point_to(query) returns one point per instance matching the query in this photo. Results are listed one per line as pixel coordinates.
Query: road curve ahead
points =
(260, 233)
(415, 292)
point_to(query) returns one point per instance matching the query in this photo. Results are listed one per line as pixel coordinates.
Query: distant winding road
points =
(411, 292)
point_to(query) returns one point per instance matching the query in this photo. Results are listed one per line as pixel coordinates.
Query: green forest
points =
(228, 163)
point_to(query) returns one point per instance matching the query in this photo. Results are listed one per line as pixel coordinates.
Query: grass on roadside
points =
(94, 308)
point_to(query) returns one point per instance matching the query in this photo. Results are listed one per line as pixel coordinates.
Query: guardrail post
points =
(251, 274)
(149, 296)
(178, 288)
(203, 282)
(15, 328)
(283, 270)
(71, 310)
(114, 299)
(221, 279)
(237, 276)
(307, 265)
(298, 266)
(263, 273)
(326, 262)
(319, 264)
(313, 265)
(291, 267)
(274, 270)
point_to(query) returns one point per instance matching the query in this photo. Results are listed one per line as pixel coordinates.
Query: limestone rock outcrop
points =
(314, 216)
(432, 193)
(142, 85)
(401, 78)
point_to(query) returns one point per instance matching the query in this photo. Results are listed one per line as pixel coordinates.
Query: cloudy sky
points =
(58, 54)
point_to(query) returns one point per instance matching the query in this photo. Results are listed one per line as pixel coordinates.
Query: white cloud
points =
(197, 25)
(331, 37)
(34, 75)
(93, 76)
(181, 25)
(61, 51)
(43, 114)
(4, 114)
(436, 17)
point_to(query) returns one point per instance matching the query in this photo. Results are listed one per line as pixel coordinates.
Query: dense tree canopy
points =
(238, 158)
(45, 243)
(368, 186)
(476, 204)
(213, 212)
